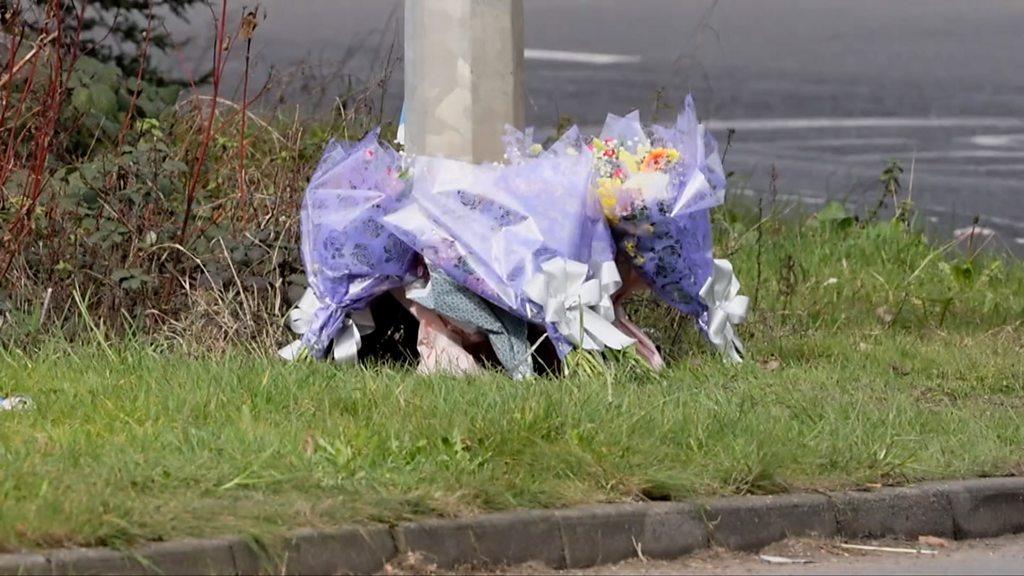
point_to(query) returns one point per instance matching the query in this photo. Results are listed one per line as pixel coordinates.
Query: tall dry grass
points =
(134, 208)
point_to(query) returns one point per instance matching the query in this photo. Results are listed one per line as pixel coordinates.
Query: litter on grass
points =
(784, 560)
(886, 549)
(15, 403)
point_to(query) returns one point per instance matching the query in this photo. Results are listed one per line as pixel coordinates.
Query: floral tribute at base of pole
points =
(554, 238)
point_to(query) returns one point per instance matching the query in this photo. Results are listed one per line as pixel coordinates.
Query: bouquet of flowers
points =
(540, 239)
(656, 193)
(349, 255)
(528, 237)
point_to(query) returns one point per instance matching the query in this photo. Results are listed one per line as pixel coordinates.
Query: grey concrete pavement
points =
(994, 556)
(591, 535)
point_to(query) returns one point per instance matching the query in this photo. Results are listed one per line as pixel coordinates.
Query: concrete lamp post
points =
(463, 76)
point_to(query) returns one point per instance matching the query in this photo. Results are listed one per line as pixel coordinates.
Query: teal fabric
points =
(506, 333)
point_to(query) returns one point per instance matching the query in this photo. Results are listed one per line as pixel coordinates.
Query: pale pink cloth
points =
(442, 342)
(632, 282)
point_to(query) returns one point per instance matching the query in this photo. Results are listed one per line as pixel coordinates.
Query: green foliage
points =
(101, 97)
(830, 274)
(157, 216)
(137, 443)
(835, 215)
(133, 279)
(120, 223)
(113, 30)
(873, 356)
(892, 187)
(890, 178)
(109, 221)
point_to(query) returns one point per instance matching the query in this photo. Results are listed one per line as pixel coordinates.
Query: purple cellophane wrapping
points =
(671, 238)
(350, 257)
(490, 227)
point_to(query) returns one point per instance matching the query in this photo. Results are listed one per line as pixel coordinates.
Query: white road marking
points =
(968, 231)
(1004, 222)
(843, 142)
(810, 197)
(753, 124)
(998, 168)
(593, 58)
(799, 198)
(998, 140)
(946, 154)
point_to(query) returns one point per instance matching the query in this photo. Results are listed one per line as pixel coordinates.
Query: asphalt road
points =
(826, 90)
(995, 556)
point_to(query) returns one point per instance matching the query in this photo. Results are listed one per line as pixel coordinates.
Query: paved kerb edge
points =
(573, 538)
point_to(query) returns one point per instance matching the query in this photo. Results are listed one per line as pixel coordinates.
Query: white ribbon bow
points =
(580, 309)
(726, 308)
(346, 344)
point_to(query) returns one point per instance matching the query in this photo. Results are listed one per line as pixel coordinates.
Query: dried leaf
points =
(900, 370)
(884, 315)
(933, 541)
(248, 26)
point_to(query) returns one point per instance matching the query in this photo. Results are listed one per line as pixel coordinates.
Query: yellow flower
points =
(608, 193)
(631, 251)
(629, 161)
(659, 159)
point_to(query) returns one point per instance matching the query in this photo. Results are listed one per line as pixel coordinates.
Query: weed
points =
(159, 206)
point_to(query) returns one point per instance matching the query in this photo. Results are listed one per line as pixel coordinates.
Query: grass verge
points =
(874, 358)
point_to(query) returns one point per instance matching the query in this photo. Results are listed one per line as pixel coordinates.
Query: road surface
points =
(995, 556)
(826, 90)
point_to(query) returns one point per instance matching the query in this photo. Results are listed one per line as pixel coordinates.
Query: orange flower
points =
(659, 159)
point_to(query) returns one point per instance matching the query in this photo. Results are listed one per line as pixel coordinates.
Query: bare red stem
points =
(219, 58)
